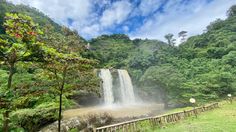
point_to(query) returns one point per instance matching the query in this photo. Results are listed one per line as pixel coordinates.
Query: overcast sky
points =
(137, 18)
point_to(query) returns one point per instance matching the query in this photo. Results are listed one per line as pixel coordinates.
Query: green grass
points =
(221, 119)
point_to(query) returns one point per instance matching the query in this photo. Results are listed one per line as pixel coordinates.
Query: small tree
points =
(63, 71)
(18, 45)
(63, 63)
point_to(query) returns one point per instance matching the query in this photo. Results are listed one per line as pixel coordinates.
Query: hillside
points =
(37, 16)
(202, 67)
(43, 20)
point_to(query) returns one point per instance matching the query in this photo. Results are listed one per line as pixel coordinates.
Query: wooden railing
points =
(132, 126)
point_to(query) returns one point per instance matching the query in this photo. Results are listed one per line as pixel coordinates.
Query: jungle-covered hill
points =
(202, 67)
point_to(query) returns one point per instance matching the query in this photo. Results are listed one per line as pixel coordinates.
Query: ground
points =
(222, 119)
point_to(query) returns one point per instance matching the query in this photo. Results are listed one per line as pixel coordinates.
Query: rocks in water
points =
(66, 125)
(86, 123)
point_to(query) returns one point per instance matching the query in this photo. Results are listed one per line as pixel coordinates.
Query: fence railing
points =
(132, 126)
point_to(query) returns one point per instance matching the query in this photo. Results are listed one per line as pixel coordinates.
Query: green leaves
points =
(21, 40)
(21, 27)
(230, 58)
(232, 11)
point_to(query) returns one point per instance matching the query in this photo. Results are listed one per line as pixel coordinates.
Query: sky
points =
(151, 19)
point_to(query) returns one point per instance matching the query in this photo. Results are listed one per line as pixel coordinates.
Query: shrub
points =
(33, 119)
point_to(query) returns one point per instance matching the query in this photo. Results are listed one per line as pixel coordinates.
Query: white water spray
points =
(126, 87)
(106, 77)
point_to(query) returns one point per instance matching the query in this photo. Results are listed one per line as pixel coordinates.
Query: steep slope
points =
(37, 16)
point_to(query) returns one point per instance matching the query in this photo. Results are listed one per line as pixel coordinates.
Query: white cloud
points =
(85, 19)
(149, 6)
(60, 10)
(80, 11)
(176, 15)
(116, 14)
(193, 18)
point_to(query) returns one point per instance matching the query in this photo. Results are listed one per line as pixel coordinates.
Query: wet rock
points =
(86, 123)
(66, 125)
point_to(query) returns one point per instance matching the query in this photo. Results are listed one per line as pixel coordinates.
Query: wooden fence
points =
(132, 126)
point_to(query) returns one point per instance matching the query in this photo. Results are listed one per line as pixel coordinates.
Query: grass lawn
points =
(221, 119)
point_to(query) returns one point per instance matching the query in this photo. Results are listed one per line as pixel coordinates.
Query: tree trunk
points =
(61, 93)
(6, 121)
(11, 73)
(6, 113)
(59, 119)
(164, 98)
(165, 102)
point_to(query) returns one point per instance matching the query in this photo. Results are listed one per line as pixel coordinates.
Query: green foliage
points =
(232, 11)
(33, 119)
(32, 91)
(141, 60)
(170, 39)
(111, 51)
(23, 34)
(230, 58)
(34, 13)
(168, 79)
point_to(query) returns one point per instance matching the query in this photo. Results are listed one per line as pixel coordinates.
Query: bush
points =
(33, 119)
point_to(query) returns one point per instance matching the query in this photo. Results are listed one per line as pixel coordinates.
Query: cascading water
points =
(106, 77)
(126, 87)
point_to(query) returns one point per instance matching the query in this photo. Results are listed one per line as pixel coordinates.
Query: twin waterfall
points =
(124, 91)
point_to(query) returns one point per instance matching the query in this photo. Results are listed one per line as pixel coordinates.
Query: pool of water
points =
(117, 111)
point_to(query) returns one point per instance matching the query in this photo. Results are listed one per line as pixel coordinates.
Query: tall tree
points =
(232, 11)
(19, 44)
(182, 36)
(170, 39)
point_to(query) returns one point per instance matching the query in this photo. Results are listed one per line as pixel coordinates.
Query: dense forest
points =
(43, 63)
(202, 67)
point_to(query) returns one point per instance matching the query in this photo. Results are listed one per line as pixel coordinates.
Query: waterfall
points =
(126, 87)
(106, 77)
